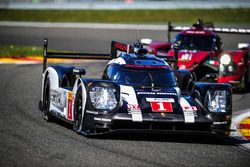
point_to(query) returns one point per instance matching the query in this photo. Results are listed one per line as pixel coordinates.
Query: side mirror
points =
(79, 72)
(212, 76)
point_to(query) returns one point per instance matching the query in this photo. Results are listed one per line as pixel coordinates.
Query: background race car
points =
(200, 52)
(138, 92)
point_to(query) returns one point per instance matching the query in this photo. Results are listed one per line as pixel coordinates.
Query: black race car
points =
(138, 92)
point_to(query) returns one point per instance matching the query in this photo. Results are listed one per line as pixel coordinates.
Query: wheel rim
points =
(78, 112)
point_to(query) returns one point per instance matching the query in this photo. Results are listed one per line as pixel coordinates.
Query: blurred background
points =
(122, 4)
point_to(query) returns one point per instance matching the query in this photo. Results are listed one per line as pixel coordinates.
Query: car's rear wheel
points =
(46, 101)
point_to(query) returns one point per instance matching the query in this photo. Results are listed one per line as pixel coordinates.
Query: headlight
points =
(225, 59)
(103, 98)
(217, 100)
(230, 68)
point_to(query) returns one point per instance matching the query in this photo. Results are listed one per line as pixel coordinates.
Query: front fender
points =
(201, 89)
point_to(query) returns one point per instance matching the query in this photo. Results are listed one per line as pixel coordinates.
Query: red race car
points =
(200, 51)
(235, 67)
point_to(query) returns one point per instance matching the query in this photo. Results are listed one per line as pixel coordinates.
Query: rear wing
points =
(116, 49)
(242, 31)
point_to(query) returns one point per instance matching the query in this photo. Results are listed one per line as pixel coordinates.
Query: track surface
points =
(93, 39)
(28, 140)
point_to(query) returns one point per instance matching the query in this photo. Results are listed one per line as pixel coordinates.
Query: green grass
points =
(239, 15)
(20, 51)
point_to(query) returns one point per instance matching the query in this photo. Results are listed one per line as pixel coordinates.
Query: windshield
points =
(195, 42)
(159, 78)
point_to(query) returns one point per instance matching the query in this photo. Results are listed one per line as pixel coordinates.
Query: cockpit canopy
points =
(141, 76)
(195, 42)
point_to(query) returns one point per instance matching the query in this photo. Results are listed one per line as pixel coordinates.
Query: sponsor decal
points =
(161, 104)
(133, 106)
(58, 99)
(102, 119)
(186, 57)
(171, 100)
(187, 111)
(92, 112)
(70, 101)
(220, 123)
(194, 108)
(190, 108)
(135, 111)
(195, 32)
(157, 93)
(121, 46)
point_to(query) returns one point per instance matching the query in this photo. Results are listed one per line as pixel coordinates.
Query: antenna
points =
(137, 33)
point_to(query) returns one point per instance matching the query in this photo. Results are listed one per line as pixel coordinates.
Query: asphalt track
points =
(28, 140)
(93, 37)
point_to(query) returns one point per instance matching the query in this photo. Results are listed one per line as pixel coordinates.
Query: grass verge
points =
(14, 51)
(228, 15)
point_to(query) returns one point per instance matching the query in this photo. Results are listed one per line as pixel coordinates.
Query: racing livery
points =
(138, 92)
(200, 52)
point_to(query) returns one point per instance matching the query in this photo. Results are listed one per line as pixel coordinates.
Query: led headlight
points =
(225, 59)
(222, 68)
(230, 68)
(103, 98)
(216, 100)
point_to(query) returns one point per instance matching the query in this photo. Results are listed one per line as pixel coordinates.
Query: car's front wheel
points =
(78, 111)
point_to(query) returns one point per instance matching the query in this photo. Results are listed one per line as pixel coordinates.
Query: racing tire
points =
(78, 111)
(79, 123)
(46, 101)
